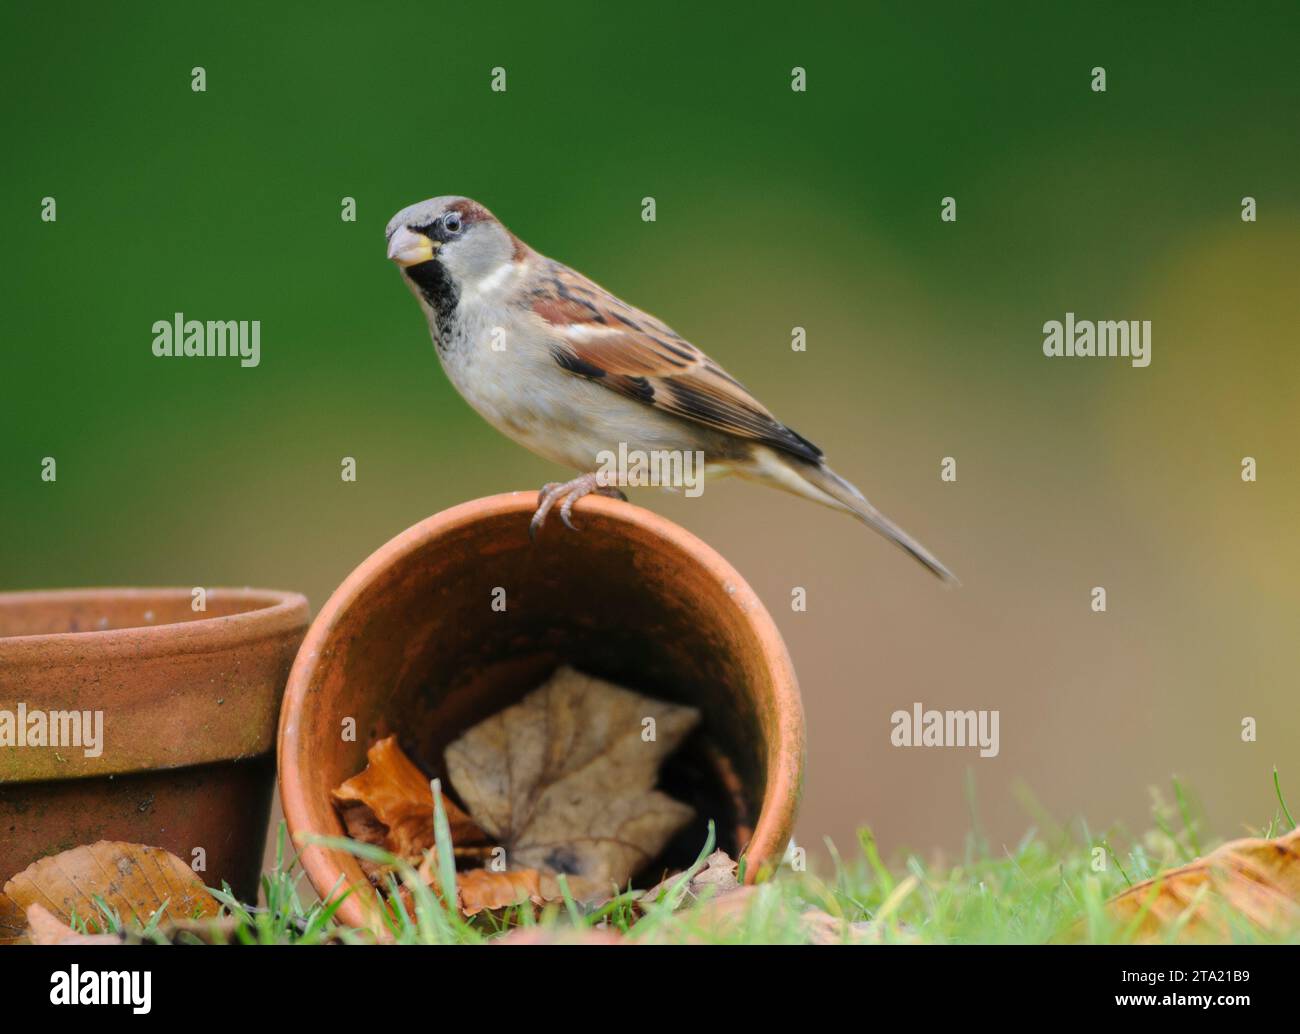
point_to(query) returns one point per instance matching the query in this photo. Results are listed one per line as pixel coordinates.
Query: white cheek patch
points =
(499, 277)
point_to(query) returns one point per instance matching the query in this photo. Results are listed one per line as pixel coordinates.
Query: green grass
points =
(1050, 886)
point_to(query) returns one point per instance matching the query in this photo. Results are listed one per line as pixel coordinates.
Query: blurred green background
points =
(775, 209)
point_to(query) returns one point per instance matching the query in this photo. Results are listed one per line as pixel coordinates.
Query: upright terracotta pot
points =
(410, 644)
(189, 702)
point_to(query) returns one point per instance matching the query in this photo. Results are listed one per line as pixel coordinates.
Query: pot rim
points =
(781, 793)
(275, 611)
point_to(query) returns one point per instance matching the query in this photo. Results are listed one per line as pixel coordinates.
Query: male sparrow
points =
(565, 368)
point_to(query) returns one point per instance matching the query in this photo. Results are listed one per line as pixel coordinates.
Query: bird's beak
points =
(408, 248)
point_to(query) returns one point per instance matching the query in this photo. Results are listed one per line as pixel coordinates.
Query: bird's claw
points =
(545, 500)
(567, 494)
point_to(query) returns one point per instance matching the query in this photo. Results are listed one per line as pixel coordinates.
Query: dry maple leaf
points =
(565, 781)
(390, 803)
(1253, 878)
(134, 880)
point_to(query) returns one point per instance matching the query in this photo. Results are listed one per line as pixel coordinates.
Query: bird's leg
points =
(567, 493)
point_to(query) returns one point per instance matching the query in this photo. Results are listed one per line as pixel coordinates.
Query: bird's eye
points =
(452, 223)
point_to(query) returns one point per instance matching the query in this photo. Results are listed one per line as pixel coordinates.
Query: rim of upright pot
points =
(274, 612)
(783, 781)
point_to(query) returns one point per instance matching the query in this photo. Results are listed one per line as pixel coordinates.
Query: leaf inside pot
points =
(564, 780)
(562, 783)
(483, 890)
(390, 804)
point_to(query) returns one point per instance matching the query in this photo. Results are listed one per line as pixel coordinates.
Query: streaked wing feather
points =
(602, 338)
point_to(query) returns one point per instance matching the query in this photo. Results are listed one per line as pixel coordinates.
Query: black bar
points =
(389, 985)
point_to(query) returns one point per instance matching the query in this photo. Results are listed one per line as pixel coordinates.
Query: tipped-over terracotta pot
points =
(188, 703)
(410, 644)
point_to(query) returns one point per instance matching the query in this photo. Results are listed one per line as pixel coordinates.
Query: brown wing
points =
(601, 338)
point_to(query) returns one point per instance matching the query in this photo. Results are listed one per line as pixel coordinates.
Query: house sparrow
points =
(565, 368)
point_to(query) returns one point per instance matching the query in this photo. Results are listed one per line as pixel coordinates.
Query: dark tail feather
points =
(845, 496)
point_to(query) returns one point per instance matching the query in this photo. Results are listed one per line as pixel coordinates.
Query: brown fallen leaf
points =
(13, 922)
(580, 888)
(390, 803)
(482, 889)
(479, 890)
(565, 781)
(1256, 879)
(136, 881)
(44, 928)
(715, 876)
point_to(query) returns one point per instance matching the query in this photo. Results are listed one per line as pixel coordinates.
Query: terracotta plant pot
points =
(189, 703)
(410, 644)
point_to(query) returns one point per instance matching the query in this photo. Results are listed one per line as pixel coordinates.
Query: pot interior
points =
(422, 652)
(103, 610)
